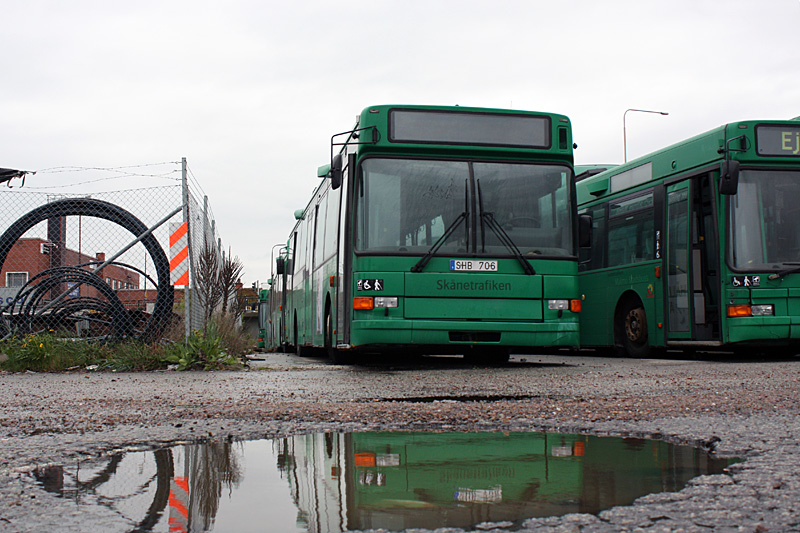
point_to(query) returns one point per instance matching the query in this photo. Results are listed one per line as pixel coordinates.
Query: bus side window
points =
(321, 212)
(595, 257)
(299, 253)
(630, 232)
(331, 224)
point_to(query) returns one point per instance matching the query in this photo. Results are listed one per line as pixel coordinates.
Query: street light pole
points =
(625, 131)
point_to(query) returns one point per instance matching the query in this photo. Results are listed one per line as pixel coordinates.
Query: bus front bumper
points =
(456, 334)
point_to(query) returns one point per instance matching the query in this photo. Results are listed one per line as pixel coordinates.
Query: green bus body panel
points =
(473, 308)
(608, 285)
(415, 332)
(471, 286)
(778, 329)
(431, 305)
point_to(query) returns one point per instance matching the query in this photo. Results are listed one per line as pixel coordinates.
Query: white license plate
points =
(474, 265)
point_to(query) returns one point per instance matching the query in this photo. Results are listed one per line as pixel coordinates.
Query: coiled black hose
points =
(109, 310)
(90, 207)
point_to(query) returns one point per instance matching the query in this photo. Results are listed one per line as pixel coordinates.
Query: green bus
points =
(398, 481)
(696, 246)
(439, 230)
(263, 319)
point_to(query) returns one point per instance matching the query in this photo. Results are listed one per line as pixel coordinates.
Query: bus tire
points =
(632, 328)
(336, 357)
(299, 349)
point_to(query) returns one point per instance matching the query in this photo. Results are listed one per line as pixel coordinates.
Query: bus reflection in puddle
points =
(330, 482)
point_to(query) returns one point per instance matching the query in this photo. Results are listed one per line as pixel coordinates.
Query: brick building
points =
(30, 256)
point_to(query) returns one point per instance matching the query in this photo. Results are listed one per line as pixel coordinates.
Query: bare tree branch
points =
(208, 284)
(229, 274)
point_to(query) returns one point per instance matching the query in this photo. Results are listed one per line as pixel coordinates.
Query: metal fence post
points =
(187, 292)
(205, 222)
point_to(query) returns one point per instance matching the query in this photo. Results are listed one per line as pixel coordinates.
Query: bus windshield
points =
(404, 206)
(763, 229)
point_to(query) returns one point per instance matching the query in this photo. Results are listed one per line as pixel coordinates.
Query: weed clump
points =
(219, 346)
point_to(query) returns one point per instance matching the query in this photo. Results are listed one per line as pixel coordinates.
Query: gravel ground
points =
(750, 406)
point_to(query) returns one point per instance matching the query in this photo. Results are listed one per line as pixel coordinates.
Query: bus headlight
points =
(751, 310)
(386, 301)
(564, 305)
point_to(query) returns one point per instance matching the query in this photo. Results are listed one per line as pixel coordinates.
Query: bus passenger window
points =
(630, 231)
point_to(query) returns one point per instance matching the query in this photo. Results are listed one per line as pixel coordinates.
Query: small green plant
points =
(134, 356)
(217, 347)
(203, 350)
(45, 352)
(35, 352)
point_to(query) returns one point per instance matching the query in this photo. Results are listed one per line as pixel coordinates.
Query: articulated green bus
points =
(696, 246)
(436, 230)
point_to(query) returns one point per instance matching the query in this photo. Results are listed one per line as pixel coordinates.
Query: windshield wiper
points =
(446, 235)
(781, 273)
(498, 230)
(439, 242)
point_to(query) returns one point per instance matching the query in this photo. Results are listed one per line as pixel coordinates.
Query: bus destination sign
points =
(778, 140)
(469, 128)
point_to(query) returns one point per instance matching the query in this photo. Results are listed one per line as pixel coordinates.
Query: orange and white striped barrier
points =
(179, 505)
(178, 253)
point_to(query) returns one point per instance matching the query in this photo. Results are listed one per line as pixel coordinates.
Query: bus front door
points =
(691, 279)
(679, 314)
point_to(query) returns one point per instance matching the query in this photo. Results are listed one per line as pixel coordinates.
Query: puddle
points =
(332, 482)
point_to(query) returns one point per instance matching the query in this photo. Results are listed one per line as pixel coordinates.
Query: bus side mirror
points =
(584, 231)
(280, 266)
(729, 177)
(336, 171)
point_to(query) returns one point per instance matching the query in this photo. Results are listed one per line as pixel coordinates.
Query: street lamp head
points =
(624, 129)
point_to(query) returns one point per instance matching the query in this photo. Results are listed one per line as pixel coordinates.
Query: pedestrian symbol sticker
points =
(369, 285)
(746, 281)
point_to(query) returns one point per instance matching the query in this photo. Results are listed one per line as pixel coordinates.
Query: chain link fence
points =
(108, 263)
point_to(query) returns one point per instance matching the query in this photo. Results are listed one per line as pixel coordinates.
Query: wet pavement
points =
(735, 408)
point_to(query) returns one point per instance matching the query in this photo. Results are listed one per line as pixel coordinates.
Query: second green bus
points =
(696, 246)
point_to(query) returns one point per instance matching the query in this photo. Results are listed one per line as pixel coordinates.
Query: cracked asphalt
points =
(751, 406)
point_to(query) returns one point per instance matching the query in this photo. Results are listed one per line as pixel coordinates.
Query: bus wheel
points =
(299, 350)
(336, 357)
(634, 331)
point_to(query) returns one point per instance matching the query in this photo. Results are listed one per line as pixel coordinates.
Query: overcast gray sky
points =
(250, 92)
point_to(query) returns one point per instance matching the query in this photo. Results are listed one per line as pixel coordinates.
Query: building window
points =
(16, 279)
